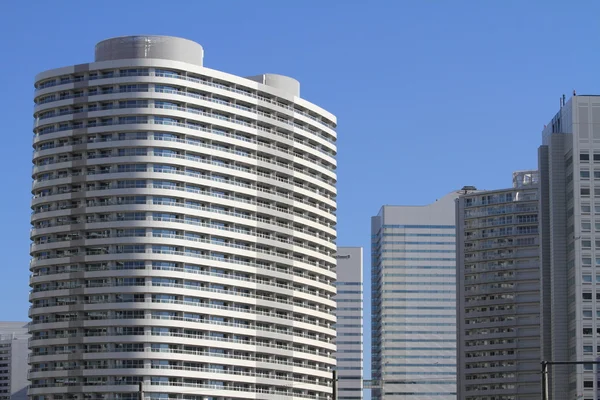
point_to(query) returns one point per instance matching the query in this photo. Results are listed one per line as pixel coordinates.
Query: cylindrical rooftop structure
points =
(150, 46)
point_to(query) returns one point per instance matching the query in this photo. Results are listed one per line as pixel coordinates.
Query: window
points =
(586, 226)
(586, 244)
(586, 296)
(587, 278)
(587, 313)
(586, 208)
(596, 157)
(597, 173)
(583, 191)
(584, 157)
(587, 331)
(584, 174)
(588, 349)
(586, 261)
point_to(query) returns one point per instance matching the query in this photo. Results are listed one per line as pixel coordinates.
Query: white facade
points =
(349, 323)
(413, 293)
(183, 231)
(13, 360)
(569, 165)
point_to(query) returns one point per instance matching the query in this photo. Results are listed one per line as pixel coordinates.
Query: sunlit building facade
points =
(183, 231)
(413, 292)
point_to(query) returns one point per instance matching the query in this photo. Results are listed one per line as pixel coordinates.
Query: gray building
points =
(13, 360)
(413, 287)
(183, 231)
(569, 166)
(349, 323)
(498, 292)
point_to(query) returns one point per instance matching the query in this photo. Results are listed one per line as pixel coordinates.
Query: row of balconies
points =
(165, 201)
(205, 81)
(87, 140)
(218, 196)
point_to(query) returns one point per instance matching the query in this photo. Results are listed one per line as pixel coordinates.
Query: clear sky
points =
(430, 95)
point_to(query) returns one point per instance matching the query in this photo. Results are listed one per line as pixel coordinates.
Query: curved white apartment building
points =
(183, 231)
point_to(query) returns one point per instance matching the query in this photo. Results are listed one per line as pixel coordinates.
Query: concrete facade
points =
(569, 165)
(498, 292)
(413, 287)
(183, 231)
(349, 323)
(13, 360)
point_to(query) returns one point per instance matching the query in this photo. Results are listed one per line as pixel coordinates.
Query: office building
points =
(498, 292)
(349, 323)
(13, 360)
(569, 166)
(183, 231)
(413, 288)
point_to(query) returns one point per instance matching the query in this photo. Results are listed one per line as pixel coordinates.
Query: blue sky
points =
(430, 95)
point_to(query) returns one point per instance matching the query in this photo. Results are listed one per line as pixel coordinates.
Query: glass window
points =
(586, 208)
(584, 174)
(586, 226)
(588, 349)
(586, 244)
(586, 296)
(584, 157)
(587, 313)
(586, 261)
(585, 191)
(587, 278)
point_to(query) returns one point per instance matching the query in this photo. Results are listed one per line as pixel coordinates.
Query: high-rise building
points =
(569, 166)
(13, 360)
(349, 323)
(498, 292)
(413, 287)
(183, 231)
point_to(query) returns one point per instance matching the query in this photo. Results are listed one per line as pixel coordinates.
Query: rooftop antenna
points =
(564, 99)
(574, 92)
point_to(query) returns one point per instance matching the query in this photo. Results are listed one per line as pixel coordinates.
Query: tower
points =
(183, 231)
